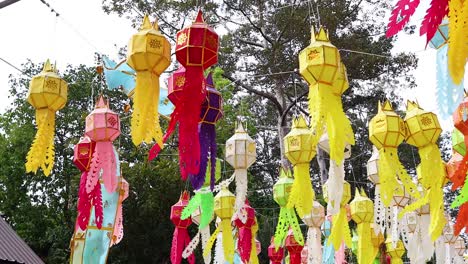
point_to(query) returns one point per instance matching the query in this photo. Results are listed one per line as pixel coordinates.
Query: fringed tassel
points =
(314, 246)
(145, 118)
(241, 194)
(219, 251)
(154, 151)
(365, 247)
(462, 219)
(244, 243)
(340, 230)
(205, 237)
(42, 154)
(457, 48)
(203, 200)
(302, 192)
(335, 181)
(207, 152)
(180, 239)
(340, 254)
(228, 241)
(379, 212)
(118, 226)
(103, 159)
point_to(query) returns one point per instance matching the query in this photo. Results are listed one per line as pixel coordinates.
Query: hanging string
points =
(318, 13)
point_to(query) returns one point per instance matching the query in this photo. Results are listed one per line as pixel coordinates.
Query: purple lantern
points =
(211, 112)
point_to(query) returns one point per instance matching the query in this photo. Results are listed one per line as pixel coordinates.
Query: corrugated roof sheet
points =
(13, 248)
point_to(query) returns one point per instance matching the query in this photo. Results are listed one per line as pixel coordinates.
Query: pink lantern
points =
(181, 237)
(103, 127)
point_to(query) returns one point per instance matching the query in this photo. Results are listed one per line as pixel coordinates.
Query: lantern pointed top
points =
(299, 122)
(199, 18)
(322, 35)
(146, 23)
(285, 173)
(156, 25)
(411, 105)
(240, 127)
(47, 66)
(209, 80)
(185, 196)
(312, 34)
(387, 106)
(101, 102)
(363, 194)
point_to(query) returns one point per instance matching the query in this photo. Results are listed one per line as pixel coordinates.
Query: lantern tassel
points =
(340, 230)
(340, 255)
(180, 239)
(379, 212)
(42, 154)
(328, 250)
(462, 196)
(97, 203)
(462, 219)
(457, 48)
(433, 18)
(209, 245)
(301, 193)
(287, 218)
(365, 247)
(401, 14)
(449, 95)
(191, 246)
(336, 177)
(241, 193)
(118, 227)
(85, 203)
(326, 110)
(205, 201)
(205, 237)
(314, 246)
(189, 143)
(154, 151)
(219, 251)
(145, 118)
(103, 160)
(244, 243)
(208, 149)
(228, 241)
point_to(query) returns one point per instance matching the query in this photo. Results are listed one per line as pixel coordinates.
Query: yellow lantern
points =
(224, 209)
(362, 212)
(299, 148)
(320, 66)
(387, 132)
(149, 54)
(423, 130)
(395, 250)
(47, 94)
(340, 228)
(376, 237)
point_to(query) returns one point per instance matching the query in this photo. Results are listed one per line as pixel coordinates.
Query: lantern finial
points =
(386, 106)
(47, 66)
(299, 122)
(209, 80)
(312, 34)
(322, 35)
(410, 105)
(146, 23)
(240, 127)
(199, 18)
(156, 25)
(101, 102)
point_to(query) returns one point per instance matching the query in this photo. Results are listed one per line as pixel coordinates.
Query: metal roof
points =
(13, 249)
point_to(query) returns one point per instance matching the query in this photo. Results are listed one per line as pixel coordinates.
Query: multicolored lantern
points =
(320, 66)
(245, 234)
(149, 54)
(241, 152)
(196, 50)
(362, 212)
(102, 127)
(224, 209)
(299, 148)
(287, 217)
(211, 112)
(47, 94)
(276, 254)
(340, 229)
(180, 237)
(387, 132)
(423, 130)
(395, 250)
(314, 220)
(294, 248)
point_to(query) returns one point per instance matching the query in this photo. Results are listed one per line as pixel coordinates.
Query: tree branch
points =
(6, 3)
(263, 94)
(290, 106)
(248, 42)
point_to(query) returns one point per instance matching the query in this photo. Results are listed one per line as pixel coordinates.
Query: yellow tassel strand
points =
(41, 155)
(228, 241)
(458, 37)
(302, 192)
(340, 230)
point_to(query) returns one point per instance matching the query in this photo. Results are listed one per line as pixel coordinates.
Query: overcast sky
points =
(29, 30)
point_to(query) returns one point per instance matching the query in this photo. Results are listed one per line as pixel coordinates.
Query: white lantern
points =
(411, 221)
(316, 217)
(240, 149)
(449, 234)
(372, 166)
(460, 246)
(324, 144)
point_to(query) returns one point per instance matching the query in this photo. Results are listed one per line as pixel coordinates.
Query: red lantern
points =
(460, 119)
(175, 85)
(244, 243)
(181, 237)
(82, 153)
(276, 256)
(452, 165)
(293, 248)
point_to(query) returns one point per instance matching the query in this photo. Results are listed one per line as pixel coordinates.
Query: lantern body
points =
(396, 251)
(176, 211)
(400, 196)
(460, 246)
(422, 127)
(102, 124)
(458, 142)
(373, 167)
(440, 36)
(276, 256)
(411, 221)
(149, 50)
(386, 129)
(47, 89)
(319, 62)
(377, 239)
(299, 144)
(282, 188)
(224, 204)
(212, 107)
(341, 83)
(448, 233)
(452, 166)
(82, 153)
(240, 149)
(316, 217)
(346, 192)
(291, 244)
(460, 120)
(362, 209)
(197, 45)
(176, 84)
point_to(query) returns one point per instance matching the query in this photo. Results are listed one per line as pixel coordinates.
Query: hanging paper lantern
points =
(377, 239)
(149, 54)
(460, 246)
(423, 130)
(294, 248)
(82, 153)
(103, 127)
(245, 236)
(276, 254)
(196, 50)
(373, 176)
(400, 199)
(328, 256)
(395, 250)
(211, 112)
(240, 154)
(287, 217)
(458, 142)
(340, 229)
(180, 237)
(452, 165)
(387, 132)
(224, 209)
(314, 221)
(47, 94)
(299, 148)
(362, 212)
(320, 66)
